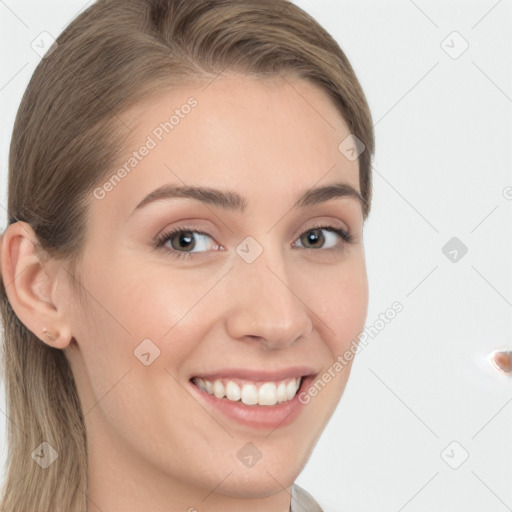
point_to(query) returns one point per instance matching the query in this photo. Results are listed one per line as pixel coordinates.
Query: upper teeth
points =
(251, 393)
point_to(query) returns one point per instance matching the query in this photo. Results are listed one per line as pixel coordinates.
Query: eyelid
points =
(325, 223)
(163, 237)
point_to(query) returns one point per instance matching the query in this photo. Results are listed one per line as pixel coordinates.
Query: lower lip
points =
(256, 416)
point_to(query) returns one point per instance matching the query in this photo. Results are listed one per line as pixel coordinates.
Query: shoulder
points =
(302, 501)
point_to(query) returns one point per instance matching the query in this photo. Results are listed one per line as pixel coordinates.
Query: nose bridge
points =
(265, 304)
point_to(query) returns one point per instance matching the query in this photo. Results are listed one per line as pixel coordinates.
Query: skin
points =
(151, 444)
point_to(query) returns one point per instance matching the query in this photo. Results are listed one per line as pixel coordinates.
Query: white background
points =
(444, 154)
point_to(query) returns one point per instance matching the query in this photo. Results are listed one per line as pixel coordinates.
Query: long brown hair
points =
(68, 132)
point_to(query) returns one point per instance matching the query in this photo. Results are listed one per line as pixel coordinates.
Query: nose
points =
(266, 304)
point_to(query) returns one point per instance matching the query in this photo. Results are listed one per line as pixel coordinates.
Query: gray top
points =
(302, 501)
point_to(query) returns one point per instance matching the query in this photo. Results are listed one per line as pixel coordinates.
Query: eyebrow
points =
(230, 200)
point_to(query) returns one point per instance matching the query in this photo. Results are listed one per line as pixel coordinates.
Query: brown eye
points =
(183, 241)
(313, 238)
(316, 239)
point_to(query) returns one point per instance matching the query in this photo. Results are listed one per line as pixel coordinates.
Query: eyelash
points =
(162, 239)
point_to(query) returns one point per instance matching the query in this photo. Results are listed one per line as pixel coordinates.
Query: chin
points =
(274, 472)
(258, 485)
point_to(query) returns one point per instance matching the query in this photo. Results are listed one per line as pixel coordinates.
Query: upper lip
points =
(258, 375)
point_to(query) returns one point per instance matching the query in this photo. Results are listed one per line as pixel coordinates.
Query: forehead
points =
(265, 138)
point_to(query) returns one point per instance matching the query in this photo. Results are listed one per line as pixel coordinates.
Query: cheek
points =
(128, 318)
(170, 306)
(342, 304)
(151, 301)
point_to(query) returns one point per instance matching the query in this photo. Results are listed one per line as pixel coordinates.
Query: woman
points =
(183, 264)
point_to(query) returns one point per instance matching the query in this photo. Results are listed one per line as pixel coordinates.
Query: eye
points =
(184, 240)
(313, 237)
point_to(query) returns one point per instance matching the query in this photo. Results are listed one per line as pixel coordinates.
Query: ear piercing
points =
(49, 334)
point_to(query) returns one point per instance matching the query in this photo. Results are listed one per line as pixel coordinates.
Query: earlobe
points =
(30, 285)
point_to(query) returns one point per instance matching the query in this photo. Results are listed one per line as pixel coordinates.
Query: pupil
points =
(187, 236)
(314, 236)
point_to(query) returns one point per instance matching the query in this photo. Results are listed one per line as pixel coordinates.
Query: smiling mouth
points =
(249, 392)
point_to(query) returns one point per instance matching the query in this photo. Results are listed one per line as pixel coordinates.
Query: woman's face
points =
(254, 296)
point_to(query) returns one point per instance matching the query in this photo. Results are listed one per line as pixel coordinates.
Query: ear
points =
(34, 287)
